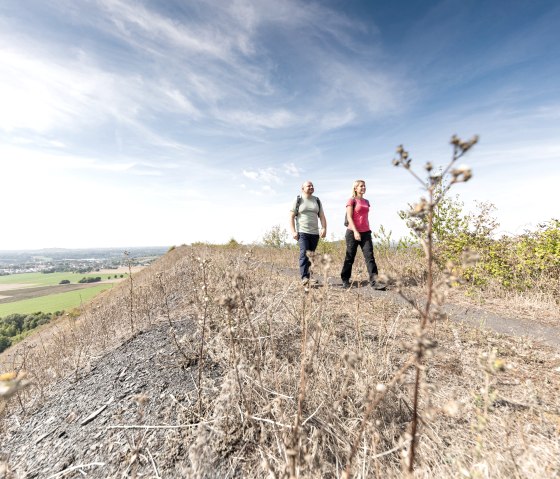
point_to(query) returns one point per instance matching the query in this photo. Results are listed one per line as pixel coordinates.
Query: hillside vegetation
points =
(216, 362)
(265, 355)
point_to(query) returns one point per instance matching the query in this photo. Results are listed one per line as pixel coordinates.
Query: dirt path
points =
(483, 319)
(480, 318)
(471, 315)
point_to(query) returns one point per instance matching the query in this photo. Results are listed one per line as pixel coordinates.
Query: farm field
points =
(35, 279)
(54, 302)
(32, 292)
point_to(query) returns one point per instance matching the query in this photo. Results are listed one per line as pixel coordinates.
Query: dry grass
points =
(320, 381)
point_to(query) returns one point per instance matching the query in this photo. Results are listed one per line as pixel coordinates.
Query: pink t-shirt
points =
(360, 216)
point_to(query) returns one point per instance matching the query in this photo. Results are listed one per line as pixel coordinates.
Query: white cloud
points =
(331, 121)
(267, 175)
(228, 71)
(132, 17)
(42, 95)
(259, 120)
(253, 175)
(292, 170)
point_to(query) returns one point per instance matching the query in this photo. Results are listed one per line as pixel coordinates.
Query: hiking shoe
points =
(305, 281)
(378, 286)
(346, 284)
(313, 281)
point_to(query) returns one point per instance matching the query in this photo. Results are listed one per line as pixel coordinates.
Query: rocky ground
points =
(125, 414)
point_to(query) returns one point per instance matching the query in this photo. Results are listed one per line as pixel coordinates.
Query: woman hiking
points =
(359, 234)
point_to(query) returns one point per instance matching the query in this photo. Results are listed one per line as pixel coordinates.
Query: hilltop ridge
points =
(195, 369)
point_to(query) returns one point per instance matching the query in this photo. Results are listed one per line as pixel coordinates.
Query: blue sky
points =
(129, 123)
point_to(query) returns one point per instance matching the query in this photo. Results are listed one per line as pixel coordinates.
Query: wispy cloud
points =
(266, 175)
(271, 119)
(212, 67)
(292, 170)
(223, 59)
(163, 102)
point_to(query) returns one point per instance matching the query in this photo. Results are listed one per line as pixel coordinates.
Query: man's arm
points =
(323, 232)
(295, 234)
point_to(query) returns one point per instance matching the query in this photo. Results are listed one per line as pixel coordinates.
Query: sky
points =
(142, 122)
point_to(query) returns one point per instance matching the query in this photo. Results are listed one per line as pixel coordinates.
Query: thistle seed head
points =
(461, 174)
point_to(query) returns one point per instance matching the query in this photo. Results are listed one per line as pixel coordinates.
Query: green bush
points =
(518, 262)
(328, 247)
(277, 237)
(17, 324)
(514, 262)
(90, 279)
(5, 343)
(233, 243)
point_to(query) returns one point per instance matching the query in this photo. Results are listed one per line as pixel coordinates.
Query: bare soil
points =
(11, 286)
(124, 413)
(120, 270)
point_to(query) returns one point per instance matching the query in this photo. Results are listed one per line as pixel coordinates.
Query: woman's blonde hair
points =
(356, 183)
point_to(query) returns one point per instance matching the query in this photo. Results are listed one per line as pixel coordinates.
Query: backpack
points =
(300, 199)
(353, 206)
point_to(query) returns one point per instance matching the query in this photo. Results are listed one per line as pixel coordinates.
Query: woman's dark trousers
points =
(307, 242)
(351, 248)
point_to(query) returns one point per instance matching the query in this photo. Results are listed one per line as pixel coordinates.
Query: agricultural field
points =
(42, 279)
(31, 292)
(50, 303)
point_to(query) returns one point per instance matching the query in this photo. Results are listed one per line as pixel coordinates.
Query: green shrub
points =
(15, 326)
(514, 262)
(518, 262)
(233, 243)
(5, 343)
(90, 279)
(277, 237)
(328, 247)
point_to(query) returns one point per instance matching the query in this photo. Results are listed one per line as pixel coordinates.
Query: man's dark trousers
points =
(307, 242)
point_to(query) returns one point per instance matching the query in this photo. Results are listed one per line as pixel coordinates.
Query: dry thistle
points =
(461, 174)
(421, 221)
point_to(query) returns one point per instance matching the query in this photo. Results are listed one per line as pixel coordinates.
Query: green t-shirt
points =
(307, 220)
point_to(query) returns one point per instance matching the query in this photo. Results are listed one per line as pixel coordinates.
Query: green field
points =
(53, 302)
(45, 279)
